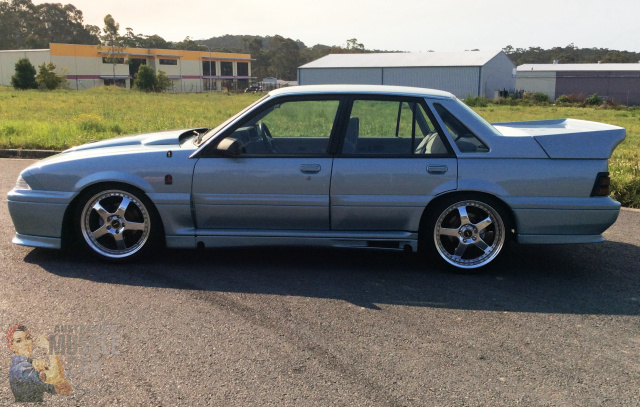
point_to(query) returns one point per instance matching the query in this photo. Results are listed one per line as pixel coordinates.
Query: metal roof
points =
(578, 67)
(401, 59)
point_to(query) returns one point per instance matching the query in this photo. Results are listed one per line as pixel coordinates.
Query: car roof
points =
(362, 89)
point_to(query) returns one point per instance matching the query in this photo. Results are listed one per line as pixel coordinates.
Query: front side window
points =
(391, 127)
(289, 128)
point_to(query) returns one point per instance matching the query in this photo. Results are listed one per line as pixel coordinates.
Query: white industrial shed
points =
(475, 73)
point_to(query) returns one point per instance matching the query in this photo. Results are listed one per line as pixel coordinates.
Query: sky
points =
(402, 25)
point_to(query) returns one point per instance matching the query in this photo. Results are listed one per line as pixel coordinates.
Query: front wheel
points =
(466, 233)
(116, 224)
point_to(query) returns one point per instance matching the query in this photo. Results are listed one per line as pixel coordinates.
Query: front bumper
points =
(38, 216)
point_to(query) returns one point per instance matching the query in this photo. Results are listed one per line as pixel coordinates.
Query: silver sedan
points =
(350, 166)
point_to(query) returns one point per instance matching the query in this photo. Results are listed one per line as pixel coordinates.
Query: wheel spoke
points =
(135, 226)
(103, 213)
(482, 225)
(120, 241)
(123, 206)
(449, 232)
(460, 250)
(480, 244)
(464, 216)
(101, 231)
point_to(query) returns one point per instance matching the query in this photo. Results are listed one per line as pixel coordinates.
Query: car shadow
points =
(576, 279)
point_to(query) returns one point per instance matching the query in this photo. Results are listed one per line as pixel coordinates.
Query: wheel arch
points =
(68, 221)
(471, 194)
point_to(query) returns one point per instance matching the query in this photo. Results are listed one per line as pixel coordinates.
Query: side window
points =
(466, 141)
(391, 127)
(289, 128)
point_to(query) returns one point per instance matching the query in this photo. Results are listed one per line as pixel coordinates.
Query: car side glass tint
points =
(290, 129)
(465, 140)
(390, 127)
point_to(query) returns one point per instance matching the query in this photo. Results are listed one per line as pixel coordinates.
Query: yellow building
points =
(89, 66)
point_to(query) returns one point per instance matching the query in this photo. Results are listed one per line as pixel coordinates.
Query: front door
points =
(280, 181)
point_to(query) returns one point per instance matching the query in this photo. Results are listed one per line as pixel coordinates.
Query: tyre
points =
(116, 223)
(466, 233)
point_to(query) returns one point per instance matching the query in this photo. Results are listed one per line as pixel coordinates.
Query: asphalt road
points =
(544, 326)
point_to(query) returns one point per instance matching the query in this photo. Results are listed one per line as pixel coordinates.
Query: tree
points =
(285, 57)
(111, 39)
(48, 78)
(25, 25)
(25, 76)
(17, 19)
(146, 79)
(133, 40)
(189, 45)
(354, 46)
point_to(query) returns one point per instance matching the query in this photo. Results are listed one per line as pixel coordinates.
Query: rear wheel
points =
(467, 233)
(116, 224)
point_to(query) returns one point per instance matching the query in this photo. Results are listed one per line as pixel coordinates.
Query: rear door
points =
(393, 160)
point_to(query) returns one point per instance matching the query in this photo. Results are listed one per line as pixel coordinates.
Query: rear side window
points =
(464, 138)
(391, 127)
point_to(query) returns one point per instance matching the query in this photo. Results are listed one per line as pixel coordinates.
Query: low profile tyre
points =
(116, 224)
(466, 233)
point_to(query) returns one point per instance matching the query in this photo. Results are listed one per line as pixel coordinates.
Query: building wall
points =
(458, 80)
(8, 61)
(496, 75)
(84, 66)
(544, 82)
(620, 87)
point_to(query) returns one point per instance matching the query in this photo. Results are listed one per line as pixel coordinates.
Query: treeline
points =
(569, 55)
(26, 25)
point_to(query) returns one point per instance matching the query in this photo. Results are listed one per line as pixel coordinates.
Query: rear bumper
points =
(571, 221)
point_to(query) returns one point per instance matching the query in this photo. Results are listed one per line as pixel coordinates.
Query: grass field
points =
(61, 119)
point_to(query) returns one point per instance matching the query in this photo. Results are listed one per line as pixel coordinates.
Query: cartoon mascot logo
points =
(30, 378)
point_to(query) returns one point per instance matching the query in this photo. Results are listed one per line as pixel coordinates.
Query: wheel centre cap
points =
(467, 231)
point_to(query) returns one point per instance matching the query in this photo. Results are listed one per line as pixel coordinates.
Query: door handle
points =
(437, 169)
(310, 168)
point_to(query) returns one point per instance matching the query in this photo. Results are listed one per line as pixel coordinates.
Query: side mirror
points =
(230, 147)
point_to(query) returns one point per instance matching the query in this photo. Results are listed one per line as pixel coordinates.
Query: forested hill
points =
(569, 55)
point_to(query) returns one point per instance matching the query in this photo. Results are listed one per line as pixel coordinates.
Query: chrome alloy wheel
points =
(115, 224)
(469, 234)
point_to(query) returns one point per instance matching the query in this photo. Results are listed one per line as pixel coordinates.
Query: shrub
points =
(476, 101)
(146, 80)
(25, 76)
(164, 82)
(593, 100)
(536, 97)
(48, 78)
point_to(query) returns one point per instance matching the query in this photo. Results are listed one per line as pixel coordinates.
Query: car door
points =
(393, 160)
(281, 178)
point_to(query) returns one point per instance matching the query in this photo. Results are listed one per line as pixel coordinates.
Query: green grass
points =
(61, 119)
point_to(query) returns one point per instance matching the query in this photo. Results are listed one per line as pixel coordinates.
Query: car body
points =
(349, 166)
